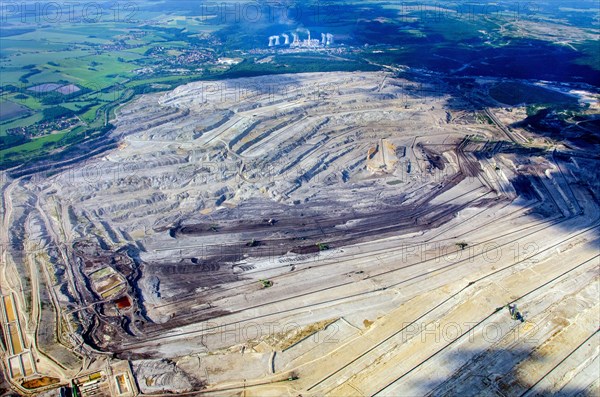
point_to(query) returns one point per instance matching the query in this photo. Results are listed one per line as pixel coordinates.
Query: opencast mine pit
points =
(317, 234)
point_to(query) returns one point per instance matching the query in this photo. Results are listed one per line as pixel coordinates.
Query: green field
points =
(94, 72)
(511, 93)
(23, 152)
(31, 101)
(90, 115)
(34, 118)
(10, 110)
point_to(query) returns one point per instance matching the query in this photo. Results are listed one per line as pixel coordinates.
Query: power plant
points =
(329, 39)
(273, 40)
(297, 42)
